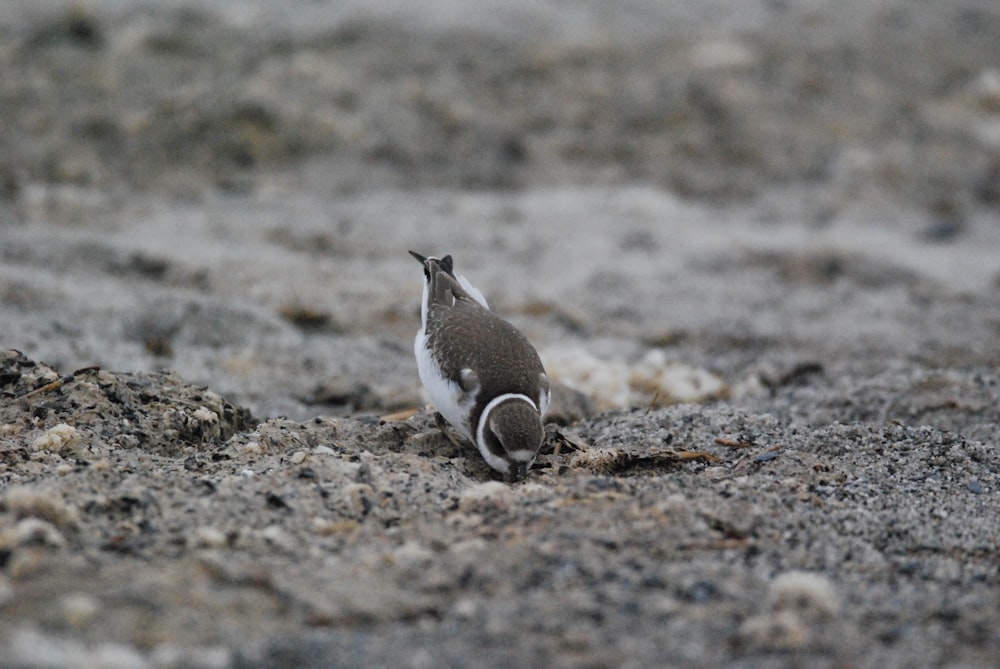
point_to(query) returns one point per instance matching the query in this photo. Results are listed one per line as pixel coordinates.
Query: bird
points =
(480, 372)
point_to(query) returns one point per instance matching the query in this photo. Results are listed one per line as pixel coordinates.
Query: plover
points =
(480, 372)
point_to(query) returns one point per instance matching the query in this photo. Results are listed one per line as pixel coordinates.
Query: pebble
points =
(277, 536)
(207, 536)
(807, 593)
(56, 437)
(465, 608)
(79, 609)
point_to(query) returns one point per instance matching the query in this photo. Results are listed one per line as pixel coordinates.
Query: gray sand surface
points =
(758, 245)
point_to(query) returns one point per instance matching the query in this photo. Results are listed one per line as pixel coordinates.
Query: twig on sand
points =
(58, 383)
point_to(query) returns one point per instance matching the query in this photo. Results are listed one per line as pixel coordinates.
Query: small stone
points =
(806, 593)
(276, 536)
(56, 437)
(207, 536)
(298, 457)
(79, 609)
(324, 450)
(465, 608)
(975, 487)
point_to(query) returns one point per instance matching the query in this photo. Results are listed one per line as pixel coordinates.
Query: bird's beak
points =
(419, 257)
(517, 472)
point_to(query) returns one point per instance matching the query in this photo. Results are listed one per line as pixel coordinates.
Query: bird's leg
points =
(442, 425)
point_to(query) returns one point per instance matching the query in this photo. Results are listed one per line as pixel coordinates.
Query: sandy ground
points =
(757, 243)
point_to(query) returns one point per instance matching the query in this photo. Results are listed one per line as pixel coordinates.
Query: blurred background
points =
(724, 191)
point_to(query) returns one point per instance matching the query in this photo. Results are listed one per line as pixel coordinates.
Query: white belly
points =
(446, 395)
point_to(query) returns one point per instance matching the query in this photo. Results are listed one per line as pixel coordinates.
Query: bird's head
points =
(509, 435)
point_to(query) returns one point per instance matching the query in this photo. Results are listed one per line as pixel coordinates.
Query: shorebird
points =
(480, 372)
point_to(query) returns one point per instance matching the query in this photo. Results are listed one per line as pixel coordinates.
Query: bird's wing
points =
(472, 291)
